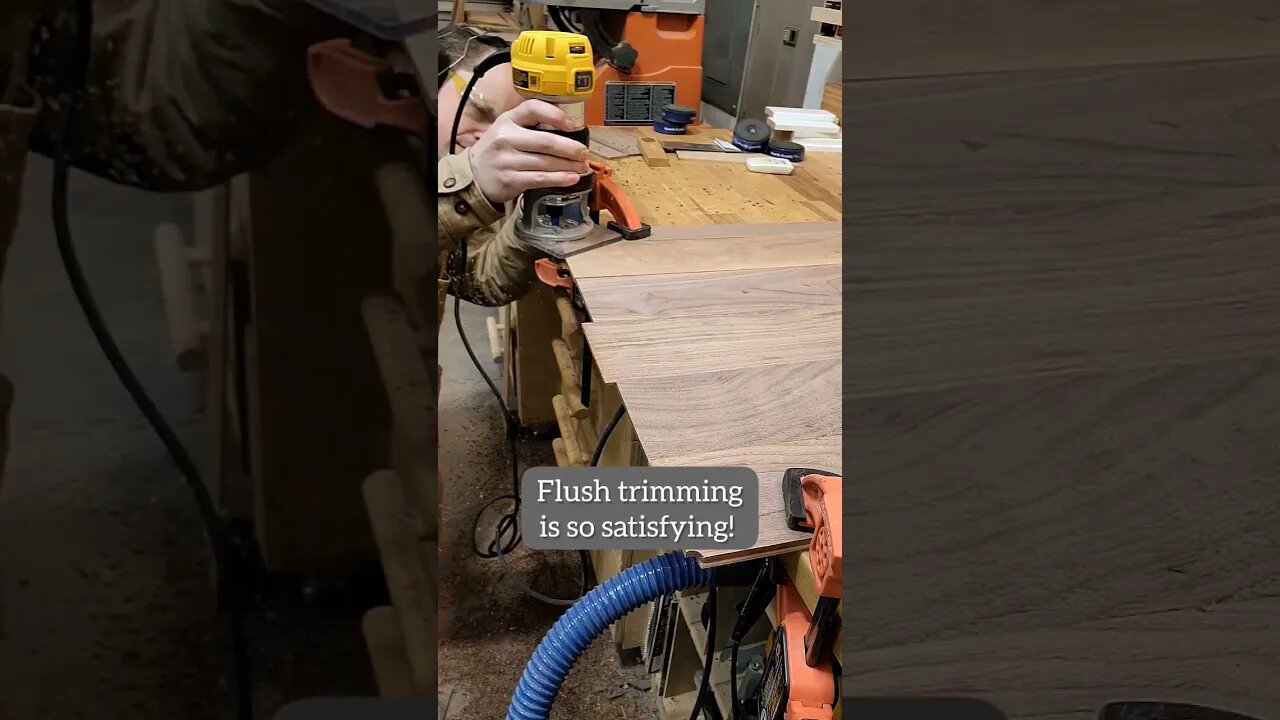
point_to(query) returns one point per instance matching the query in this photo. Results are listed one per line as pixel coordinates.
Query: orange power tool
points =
(800, 678)
(814, 503)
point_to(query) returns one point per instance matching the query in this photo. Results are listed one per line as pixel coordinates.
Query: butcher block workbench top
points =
(707, 192)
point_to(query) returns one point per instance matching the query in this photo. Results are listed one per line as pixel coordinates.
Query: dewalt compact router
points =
(558, 68)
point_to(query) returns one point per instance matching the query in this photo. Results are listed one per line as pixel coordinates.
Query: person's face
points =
(493, 95)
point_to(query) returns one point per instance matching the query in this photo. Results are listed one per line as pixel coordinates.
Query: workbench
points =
(720, 333)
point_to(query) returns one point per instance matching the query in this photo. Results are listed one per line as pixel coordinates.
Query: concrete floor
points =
(488, 628)
(103, 570)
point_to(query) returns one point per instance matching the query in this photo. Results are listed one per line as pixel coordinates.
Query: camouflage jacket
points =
(186, 94)
(499, 268)
(183, 94)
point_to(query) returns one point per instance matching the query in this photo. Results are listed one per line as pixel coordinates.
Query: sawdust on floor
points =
(488, 628)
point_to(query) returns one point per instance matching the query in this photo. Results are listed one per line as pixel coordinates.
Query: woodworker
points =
(498, 157)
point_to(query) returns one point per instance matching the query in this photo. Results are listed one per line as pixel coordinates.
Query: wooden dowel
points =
(570, 382)
(569, 432)
(412, 589)
(385, 642)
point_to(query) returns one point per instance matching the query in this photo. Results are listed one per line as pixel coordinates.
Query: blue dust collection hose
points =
(589, 617)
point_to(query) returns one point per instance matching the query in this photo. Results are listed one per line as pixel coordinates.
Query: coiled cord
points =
(508, 526)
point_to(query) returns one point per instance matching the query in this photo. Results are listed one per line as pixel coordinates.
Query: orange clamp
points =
(348, 83)
(826, 549)
(608, 195)
(552, 273)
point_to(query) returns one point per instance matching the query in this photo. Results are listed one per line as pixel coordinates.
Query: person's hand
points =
(511, 158)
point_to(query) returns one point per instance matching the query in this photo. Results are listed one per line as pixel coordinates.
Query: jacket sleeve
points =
(184, 94)
(499, 268)
(463, 209)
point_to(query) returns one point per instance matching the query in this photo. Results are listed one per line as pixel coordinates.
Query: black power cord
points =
(760, 593)
(561, 19)
(605, 433)
(508, 524)
(735, 710)
(704, 688)
(229, 560)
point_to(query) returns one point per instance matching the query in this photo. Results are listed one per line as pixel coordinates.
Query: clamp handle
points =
(608, 195)
(552, 273)
(826, 550)
(813, 500)
(348, 83)
(826, 558)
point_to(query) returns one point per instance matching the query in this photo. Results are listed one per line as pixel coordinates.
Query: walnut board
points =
(766, 291)
(724, 342)
(636, 349)
(725, 248)
(1064, 394)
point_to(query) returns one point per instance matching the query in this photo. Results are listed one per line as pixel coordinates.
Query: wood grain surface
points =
(689, 192)
(667, 296)
(912, 38)
(724, 343)
(765, 418)
(737, 247)
(775, 537)
(1221, 656)
(1108, 234)
(632, 349)
(729, 247)
(1039, 502)
(1063, 399)
(769, 461)
(691, 414)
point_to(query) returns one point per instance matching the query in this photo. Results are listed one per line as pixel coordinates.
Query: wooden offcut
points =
(833, 101)
(652, 152)
(530, 376)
